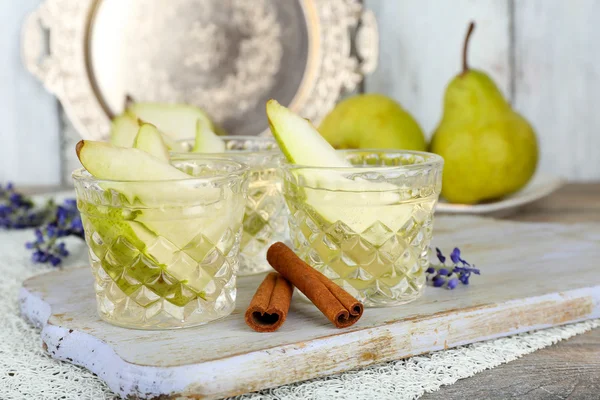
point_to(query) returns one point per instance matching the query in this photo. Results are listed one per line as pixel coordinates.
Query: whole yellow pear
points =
(489, 150)
(371, 121)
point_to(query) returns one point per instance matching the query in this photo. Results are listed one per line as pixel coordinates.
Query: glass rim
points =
(82, 174)
(271, 139)
(431, 160)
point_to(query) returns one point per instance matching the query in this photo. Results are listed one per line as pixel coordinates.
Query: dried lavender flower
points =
(66, 222)
(449, 277)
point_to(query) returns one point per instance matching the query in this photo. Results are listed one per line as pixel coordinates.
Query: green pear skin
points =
(371, 121)
(489, 150)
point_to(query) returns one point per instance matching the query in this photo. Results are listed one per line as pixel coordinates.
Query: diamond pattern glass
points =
(161, 264)
(371, 239)
(265, 220)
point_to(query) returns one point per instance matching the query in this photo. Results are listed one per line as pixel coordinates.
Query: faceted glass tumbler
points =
(164, 253)
(265, 219)
(367, 227)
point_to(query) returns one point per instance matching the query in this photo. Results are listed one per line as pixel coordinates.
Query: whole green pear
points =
(371, 121)
(489, 150)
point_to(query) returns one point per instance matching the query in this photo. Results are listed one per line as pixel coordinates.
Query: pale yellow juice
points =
(368, 228)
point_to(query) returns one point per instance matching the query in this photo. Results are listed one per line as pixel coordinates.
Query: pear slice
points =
(105, 161)
(125, 127)
(171, 143)
(206, 140)
(332, 193)
(173, 198)
(150, 140)
(298, 139)
(123, 130)
(138, 175)
(177, 120)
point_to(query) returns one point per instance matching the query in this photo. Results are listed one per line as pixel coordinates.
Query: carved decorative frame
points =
(343, 41)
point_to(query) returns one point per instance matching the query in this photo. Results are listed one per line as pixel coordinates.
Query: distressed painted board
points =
(534, 276)
(557, 81)
(29, 129)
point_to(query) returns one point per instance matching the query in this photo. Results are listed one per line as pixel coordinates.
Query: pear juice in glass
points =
(164, 253)
(265, 218)
(368, 226)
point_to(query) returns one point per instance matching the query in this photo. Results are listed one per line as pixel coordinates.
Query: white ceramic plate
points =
(540, 186)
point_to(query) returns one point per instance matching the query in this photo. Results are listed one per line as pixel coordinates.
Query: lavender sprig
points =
(66, 222)
(18, 211)
(54, 222)
(441, 275)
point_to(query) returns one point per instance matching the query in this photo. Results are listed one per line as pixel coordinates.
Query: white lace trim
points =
(27, 372)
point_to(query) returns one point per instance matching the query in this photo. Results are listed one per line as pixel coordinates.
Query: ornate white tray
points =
(227, 57)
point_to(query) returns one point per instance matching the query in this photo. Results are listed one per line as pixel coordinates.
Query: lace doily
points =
(27, 372)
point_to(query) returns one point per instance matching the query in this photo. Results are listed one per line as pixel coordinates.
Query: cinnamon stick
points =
(334, 302)
(270, 304)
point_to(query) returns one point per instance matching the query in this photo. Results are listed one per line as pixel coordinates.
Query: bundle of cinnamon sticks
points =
(270, 305)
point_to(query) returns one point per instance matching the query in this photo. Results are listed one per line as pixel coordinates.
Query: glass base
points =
(116, 308)
(167, 325)
(377, 301)
(255, 263)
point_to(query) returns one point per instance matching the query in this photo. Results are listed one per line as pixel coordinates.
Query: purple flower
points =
(61, 215)
(5, 210)
(464, 273)
(438, 281)
(65, 221)
(455, 257)
(62, 250)
(466, 270)
(442, 275)
(77, 226)
(439, 255)
(16, 210)
(51, 230)
(54, 260)
(452, 283)
(39, 256)
(15, 198)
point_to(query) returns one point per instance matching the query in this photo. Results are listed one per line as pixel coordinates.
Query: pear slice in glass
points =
(331, 192)
(123, 131)
(140, 176)
(206, 140)
(150, 140)
(125, 127)
(176, 120)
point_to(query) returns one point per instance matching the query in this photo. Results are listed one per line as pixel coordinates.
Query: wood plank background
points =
(542, 54)
(29, 121)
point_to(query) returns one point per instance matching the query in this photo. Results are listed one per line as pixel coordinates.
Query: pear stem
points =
(465, 63)
(129, 101)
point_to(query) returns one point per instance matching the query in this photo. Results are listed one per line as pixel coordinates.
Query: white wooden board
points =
(533, 276)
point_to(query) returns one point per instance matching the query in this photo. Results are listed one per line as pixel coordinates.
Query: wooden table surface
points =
(567, 370)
